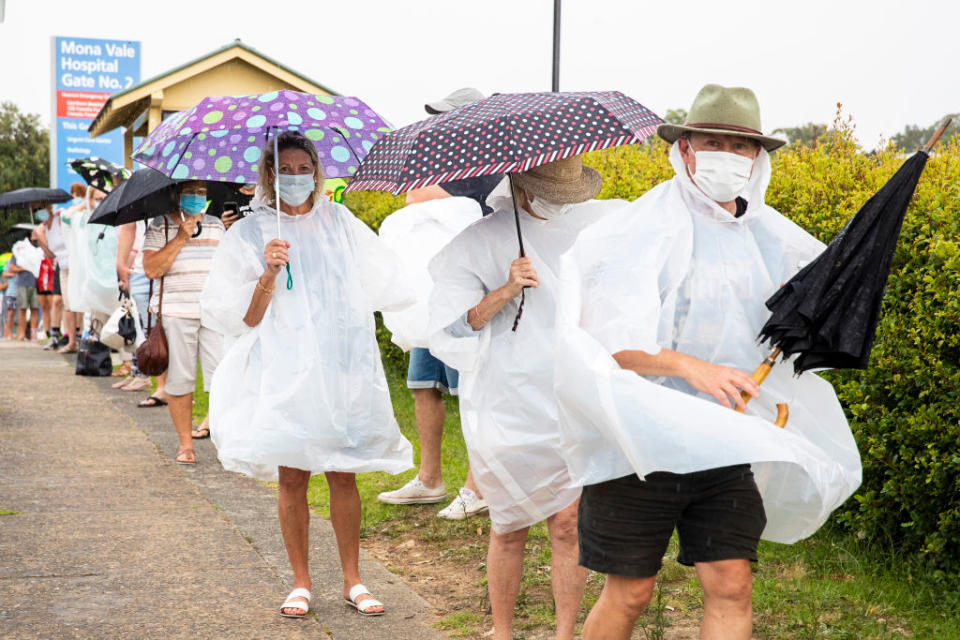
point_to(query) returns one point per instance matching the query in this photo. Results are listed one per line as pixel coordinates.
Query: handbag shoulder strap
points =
(159, 313)
(165, 239)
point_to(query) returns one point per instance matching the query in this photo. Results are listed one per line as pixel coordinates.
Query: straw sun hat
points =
(726, 110)
(565, 180)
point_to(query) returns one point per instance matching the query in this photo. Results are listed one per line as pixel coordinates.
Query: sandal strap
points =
(299, 592)
(358, 590)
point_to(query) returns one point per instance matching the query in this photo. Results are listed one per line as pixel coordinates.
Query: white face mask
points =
(721, 175)
(294, 190)
(548, 209)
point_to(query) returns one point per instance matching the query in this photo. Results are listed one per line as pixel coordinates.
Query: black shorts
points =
(625, 524)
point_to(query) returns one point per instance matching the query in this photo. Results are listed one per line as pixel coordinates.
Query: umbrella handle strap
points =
(289, 277)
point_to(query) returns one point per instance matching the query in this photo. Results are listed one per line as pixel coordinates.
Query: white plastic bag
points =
(110, 335)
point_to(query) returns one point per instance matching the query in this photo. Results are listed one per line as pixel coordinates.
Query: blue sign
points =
(85, 73)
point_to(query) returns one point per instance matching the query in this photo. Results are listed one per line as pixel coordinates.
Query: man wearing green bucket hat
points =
(672, 287)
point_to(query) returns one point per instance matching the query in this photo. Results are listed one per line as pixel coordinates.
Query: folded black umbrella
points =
(827, 314)
(21, 198)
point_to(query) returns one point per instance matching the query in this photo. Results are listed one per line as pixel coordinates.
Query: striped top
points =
(184, 282)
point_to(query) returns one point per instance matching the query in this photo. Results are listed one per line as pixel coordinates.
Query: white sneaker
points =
(466, 504)
(414, 492)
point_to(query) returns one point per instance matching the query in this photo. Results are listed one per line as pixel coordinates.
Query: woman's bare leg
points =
(295, 526)
(345, 517)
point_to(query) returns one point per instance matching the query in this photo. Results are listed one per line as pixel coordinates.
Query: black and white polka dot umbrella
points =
(507, 132)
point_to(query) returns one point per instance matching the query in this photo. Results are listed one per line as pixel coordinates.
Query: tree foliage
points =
(913, 136)
(675, 116)
(806, 134)
(24, 156)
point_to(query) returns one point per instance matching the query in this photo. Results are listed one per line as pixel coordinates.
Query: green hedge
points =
(905, 408)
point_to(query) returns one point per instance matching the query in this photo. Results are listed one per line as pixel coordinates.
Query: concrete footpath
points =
(111, 539)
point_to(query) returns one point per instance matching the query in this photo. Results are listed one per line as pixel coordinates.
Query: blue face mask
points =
(193, 204)
(41, 215)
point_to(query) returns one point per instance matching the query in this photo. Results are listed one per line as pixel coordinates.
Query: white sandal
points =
(290, 604)
(363, 608)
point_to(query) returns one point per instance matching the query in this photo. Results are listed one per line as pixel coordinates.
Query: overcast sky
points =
(890, 62)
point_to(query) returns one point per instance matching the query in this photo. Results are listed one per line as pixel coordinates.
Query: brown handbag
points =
(153, 356)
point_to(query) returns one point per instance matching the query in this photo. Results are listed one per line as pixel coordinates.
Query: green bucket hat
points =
(725, 110)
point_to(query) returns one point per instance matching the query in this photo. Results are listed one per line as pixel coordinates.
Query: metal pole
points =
(556, 46)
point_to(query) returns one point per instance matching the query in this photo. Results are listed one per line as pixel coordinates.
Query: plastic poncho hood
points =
(305, 387)
(675, 270)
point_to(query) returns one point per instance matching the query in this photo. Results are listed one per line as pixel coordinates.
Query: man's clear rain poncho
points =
(674, 270)
(305, 388)
(508, 410)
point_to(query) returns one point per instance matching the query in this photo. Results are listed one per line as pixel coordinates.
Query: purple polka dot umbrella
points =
(222, 138)
(505, 133)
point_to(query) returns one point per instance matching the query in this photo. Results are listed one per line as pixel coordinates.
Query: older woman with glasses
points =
(301, 389)
(175, 251)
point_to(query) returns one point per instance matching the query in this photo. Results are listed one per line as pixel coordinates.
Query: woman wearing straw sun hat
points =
(507, 406)
(301, 389)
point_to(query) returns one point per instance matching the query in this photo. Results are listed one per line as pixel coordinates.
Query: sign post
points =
(85, 73)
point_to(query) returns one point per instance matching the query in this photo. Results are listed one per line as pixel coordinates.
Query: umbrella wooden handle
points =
(760, 374)
(936, 136)
(783, 414)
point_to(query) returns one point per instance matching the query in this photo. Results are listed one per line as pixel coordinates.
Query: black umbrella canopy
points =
(21, 198)
(828, 312)
(148, 194)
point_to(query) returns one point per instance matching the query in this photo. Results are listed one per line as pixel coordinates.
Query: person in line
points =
(507, 405)
(9, 288)
(71, 321)
(44, 217)
(427, 377)
(52, 242)
(657, 331)
(172, 250)
(301, 389)
(24, 264)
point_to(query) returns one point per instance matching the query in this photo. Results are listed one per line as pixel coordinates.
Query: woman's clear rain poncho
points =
(674, 270)
(305, 388)
(508, 410)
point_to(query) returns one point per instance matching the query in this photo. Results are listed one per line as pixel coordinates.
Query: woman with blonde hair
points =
(301, 389)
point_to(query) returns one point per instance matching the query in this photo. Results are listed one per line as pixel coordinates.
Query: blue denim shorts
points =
(426, 372)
